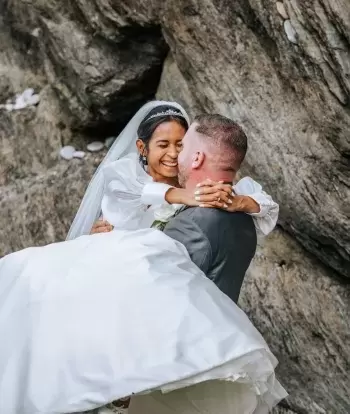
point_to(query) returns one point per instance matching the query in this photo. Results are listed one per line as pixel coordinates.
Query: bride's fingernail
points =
(198, 185)
(233, 194)
(225, 206)
(197, 198)
(229, 201)
(197, 192)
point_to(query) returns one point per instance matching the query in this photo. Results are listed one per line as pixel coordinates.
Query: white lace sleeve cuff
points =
(154, 193)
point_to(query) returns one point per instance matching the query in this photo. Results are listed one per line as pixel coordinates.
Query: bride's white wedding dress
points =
(88, 321)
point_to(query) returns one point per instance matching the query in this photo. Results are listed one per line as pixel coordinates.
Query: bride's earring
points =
(144, 160)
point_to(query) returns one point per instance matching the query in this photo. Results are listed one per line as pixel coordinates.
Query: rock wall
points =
(281, 69)
(93, 68)
(293, 99)
(299, 305)
(303, 313)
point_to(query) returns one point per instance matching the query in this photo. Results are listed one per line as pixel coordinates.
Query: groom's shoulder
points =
(210, 218)
(214, 224)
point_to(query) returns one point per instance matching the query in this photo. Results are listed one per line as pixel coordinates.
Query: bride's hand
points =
(207, 194)
(101, 226)
(214, 194)
(229, 201)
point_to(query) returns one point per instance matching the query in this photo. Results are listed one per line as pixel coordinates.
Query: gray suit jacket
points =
(221, 244)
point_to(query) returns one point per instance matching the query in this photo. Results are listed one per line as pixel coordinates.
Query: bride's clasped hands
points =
(212, 194)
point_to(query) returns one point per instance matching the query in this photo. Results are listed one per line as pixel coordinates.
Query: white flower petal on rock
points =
(20, 103)
(282, 10)
(27, 94)
(25, 99)
(79, 154)
(36, 32)
(95, 146)
(33, 100)
(67, 152)
(109, 141)
(290, 31)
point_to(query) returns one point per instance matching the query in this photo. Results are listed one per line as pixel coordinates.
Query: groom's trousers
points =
(212, 397)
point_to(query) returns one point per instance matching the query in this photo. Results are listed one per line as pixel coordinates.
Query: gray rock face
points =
(39, 210)
(95, 62)
(292, 100)
(93, 68)
(102, 65)
(303, 312)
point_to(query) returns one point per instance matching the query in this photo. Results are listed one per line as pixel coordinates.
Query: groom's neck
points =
(198, 176)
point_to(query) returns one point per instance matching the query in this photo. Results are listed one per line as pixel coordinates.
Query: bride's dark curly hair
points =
(155, 118)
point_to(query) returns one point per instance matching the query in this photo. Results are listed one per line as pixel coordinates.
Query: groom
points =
(220, 243)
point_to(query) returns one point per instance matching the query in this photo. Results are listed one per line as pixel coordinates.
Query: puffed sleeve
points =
(265, 221)
(154, 193)
(122, 204)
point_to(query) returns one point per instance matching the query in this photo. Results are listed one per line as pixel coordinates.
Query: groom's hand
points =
(101, 226)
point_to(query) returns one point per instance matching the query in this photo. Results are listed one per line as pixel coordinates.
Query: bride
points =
(103, 317)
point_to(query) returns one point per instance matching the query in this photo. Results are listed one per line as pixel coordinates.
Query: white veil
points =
(124, 144)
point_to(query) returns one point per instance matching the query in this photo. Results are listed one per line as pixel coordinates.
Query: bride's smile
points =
(169, 164)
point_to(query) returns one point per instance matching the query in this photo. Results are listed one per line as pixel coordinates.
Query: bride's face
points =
(163, 150)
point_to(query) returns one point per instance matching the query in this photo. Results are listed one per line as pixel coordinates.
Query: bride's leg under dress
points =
(211, 397)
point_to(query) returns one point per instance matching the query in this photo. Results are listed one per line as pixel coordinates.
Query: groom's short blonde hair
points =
(225, 134)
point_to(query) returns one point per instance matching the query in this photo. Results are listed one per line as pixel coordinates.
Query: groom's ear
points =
(197, 160)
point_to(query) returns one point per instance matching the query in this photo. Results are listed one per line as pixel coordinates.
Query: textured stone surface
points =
(93, 68)
(39, 210)
(30, 140)
(292, 100)
(303, 312)
(102, 65)
(282, 410)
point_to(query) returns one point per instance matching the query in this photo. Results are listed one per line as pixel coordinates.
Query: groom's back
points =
(221, 244)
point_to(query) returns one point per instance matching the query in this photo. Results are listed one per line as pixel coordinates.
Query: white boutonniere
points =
(163, 214)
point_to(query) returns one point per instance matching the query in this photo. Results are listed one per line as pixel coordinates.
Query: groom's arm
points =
(185, 230)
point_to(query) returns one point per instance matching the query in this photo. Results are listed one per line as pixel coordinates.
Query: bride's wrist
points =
(174, 196)
(247, 205)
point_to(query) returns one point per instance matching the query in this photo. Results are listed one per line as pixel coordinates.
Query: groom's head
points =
(213, 147)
